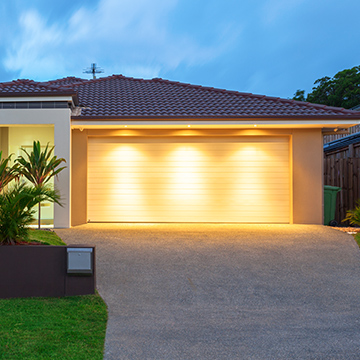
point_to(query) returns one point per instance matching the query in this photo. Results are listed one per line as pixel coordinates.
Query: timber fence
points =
(344, 173)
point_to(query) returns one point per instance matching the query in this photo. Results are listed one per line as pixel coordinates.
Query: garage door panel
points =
(217, 157)
(189, 180)
(172, 159)
(193, 168)
(164, 194)
(206, 199)
(184, 214)
(253, 218)
(168, 193)
(208, 141)
(245, 170)
(155, 178)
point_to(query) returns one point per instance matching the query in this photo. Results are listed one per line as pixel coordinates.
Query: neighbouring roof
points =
(25, 87)
(356, 108)
(119, 97)
(342, 142)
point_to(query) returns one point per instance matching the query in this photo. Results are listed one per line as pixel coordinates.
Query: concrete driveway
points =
(208, 291)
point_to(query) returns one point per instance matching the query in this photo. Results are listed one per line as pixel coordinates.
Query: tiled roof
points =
(118, 96)
(66, 81)
(25, 86)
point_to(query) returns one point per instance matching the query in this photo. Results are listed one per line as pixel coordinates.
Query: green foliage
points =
(17, 202)
(299, 95)
(53, 328)
(353, 216)
(7, 173)
(15, 214)
(16, 210)
(39, 166)
(342, 90)
(357, 239)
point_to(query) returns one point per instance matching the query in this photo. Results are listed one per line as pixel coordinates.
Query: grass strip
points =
(45, 237)
(357, 238)
(53, 328)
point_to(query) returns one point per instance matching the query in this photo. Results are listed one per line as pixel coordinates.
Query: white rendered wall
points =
(60, 119)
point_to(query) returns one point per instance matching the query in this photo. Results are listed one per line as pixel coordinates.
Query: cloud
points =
(134, 37)
(33, 50)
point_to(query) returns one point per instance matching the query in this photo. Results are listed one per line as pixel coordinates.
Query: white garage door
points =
(192, 179)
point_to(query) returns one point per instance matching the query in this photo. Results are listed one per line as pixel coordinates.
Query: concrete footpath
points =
(226, 291)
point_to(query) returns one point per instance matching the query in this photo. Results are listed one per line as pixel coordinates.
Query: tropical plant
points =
(16, 210)
(353, 216)
(39, 167)
(7, 173)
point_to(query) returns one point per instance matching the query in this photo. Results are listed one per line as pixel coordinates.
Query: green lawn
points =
(357, 238)
(53, 328)
(45, 237)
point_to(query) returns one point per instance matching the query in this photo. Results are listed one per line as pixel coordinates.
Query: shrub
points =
(353, 216)
(15, 214)
(16, 210)
(17, 201)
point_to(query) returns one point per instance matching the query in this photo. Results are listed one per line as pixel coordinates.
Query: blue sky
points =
(269, 47)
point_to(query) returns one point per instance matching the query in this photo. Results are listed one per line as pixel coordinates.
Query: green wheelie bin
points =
(330, 193)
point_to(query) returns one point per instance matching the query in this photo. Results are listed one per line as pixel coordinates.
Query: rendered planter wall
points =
(40, 270)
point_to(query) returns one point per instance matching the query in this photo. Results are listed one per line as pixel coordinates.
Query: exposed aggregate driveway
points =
(226, 291)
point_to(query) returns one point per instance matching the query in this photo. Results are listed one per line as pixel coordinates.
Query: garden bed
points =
(349, 230)
(41, 271)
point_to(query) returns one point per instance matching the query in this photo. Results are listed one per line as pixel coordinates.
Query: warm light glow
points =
(188, 125)
(125, 125)
(186, 179)
(255, 125)
(241, 179)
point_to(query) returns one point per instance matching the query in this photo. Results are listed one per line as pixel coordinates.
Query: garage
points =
(189, 179)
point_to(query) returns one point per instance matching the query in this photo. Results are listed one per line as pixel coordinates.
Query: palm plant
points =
(39, 167)
(353, 216)
(7, 173)
(16, 210)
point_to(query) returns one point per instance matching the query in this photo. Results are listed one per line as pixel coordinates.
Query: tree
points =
(299, 95)
(39, 167)
(343, 90)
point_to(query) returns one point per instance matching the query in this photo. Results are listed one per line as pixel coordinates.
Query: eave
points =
(328, 123)
(40, 96)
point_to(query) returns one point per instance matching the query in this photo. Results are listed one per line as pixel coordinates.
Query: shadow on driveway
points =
(226, 291)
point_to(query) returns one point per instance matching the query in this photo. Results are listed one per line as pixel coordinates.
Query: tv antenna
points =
(93, 69)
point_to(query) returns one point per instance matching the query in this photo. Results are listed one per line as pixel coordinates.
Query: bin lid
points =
(333, 188)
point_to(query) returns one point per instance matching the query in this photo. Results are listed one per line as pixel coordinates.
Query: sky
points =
(268, 47)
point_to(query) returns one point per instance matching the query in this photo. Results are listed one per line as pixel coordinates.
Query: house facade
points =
(160, 151)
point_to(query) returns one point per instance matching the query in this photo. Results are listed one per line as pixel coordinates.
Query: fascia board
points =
(225, 122)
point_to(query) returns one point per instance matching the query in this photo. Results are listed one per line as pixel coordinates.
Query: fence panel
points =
(344, 173)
